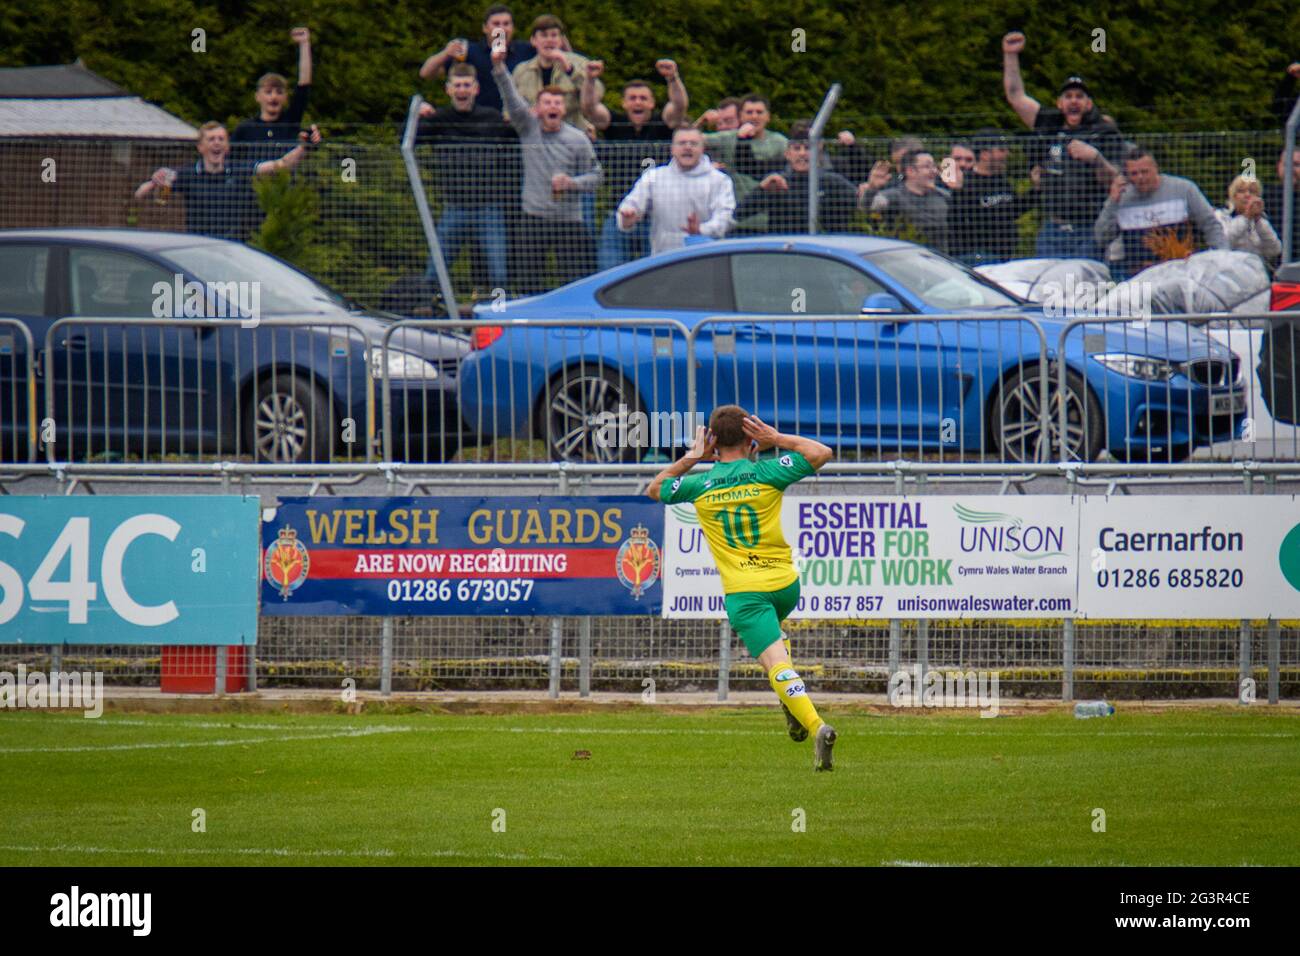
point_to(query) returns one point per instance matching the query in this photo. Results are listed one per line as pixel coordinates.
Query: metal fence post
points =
(1243, 655)
(584, 657)
(1274, 658)
(557, 633)
(724, 660)
(895, 648)
(251, 651)
(422, 207)
(1067, 659)
(1288, 186)
(386, 658)
(923, 646)
(814, 147)
(221, 670)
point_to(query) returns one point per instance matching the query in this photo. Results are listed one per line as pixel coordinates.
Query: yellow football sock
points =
(786, 641)
(787, 683)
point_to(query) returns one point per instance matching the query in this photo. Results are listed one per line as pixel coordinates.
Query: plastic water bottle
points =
(1093, 708)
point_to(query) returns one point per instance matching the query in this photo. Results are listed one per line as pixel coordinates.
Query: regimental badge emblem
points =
(287, 562)
(638, 562)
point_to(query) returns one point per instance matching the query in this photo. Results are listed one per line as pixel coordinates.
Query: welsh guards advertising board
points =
(454, 556)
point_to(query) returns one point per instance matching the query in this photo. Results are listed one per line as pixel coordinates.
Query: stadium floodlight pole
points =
(814, 148)
(1288, 185)
(422, 205)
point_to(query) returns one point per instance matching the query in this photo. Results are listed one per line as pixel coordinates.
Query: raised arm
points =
(589, 97)
(302, 37)
(701, 450)
(436, 64)
(516, 106)
(678, 102)
(1026, 106)
(765, 437)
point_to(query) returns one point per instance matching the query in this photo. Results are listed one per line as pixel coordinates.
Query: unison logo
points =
(102, 909)
(34, 690)
(208, 300)
(995, 532)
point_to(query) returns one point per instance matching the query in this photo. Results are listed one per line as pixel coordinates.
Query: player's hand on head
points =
(703, 445)
(759, 431)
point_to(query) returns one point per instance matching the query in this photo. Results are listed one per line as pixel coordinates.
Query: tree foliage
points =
(904, 66)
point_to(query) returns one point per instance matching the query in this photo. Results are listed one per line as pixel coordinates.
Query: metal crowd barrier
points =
(599, 391)
(901, 398)
(18, 426)
(1204, 398)
(885, 385)
(146, 391)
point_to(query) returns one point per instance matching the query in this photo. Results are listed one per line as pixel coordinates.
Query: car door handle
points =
(74, 343)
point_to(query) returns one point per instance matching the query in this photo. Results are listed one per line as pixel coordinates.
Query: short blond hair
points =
(208, 127)
(1248, 183)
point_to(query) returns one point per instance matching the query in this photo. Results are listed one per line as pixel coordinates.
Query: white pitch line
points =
(201, 724)
(701, 732)
(924, 863)
(178, 745)
(268, 851)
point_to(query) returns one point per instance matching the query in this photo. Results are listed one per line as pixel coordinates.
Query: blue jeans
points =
(616, 247)
(484, 223)
(1056, 241)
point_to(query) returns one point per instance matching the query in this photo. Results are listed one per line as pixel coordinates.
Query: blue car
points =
(884, 381)
(290, 387)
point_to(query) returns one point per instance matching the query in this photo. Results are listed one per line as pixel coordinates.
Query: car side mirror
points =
(881, 303)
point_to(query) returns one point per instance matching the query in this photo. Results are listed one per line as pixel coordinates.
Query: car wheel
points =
(1017, 431)
(288, 420)
(584, 416)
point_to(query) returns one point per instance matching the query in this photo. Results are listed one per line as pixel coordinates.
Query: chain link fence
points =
(346, 213)
(1119, 660)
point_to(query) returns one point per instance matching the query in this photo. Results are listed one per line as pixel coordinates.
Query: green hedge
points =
(904, 66)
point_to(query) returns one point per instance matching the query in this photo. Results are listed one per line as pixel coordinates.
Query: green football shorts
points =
(757, 615)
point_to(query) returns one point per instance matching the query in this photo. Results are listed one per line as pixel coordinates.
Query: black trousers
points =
(537, 240)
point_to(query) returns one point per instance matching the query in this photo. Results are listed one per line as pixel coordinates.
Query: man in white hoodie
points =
(687, 196)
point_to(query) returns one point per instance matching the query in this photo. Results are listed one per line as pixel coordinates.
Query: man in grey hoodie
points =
(1155, 216)
(688, 196)
(559, 164)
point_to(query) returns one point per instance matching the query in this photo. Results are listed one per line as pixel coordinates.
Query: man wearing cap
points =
(1073, 156)
(985, 206)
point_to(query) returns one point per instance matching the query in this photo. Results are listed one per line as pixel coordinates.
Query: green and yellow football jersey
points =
(739, 506)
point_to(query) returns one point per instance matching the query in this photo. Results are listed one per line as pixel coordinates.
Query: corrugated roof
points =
(55, 82)
(121, 116)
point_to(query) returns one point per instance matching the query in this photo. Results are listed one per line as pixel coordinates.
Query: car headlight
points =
(401, 365)
(1137, 366)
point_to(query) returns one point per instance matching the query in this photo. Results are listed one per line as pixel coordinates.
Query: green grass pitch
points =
(717, 786)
